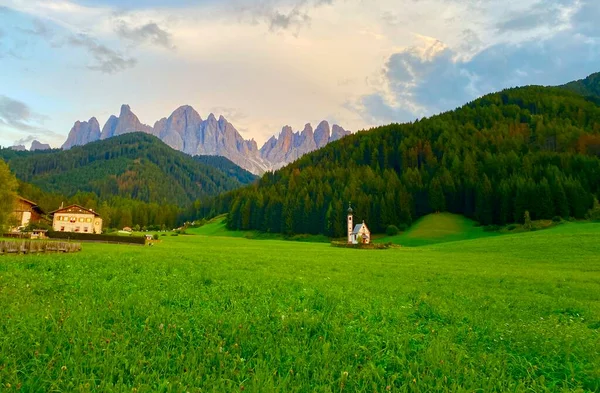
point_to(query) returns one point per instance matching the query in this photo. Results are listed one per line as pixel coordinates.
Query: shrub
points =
(402, 227)
(594, 213)
(512, 227)
(527, 220)
(392, 230)
(557, 219)
(174, 234)
(491, 228)
(94, 237)
(155, 237)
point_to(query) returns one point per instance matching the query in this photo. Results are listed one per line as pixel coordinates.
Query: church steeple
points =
(350, 224)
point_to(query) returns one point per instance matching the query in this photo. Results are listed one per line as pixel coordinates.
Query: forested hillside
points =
(228, 167)
(134, 166)
(533, 149)
(589, 87)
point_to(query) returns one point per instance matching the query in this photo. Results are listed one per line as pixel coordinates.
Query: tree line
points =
(532, 149)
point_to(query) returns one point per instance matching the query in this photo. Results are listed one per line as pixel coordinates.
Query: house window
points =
(85, 229)
(88, 220)
(77, 229)
(81, 220)
(62, 229)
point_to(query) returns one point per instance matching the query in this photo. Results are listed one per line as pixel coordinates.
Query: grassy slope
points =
(438, 228)
(216, 227)
(508, 313)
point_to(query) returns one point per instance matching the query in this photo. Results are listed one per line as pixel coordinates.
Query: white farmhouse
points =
(76, 218)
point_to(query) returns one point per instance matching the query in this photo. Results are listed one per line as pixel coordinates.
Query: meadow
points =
(197, 313)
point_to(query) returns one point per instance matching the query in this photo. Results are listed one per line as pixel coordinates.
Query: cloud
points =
(587, 19)
(283, 21)
(435, 79)
(39, 29)
(26, 140)
(231, 114)
(107, 60)
(17, 119)
(281, 15)
(148, 33)
(17, 115)
(539, 15)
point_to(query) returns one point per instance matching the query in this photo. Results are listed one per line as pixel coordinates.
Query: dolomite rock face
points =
(83, 133)
(37, 145)
(292, 145)
(185, 130)
(126, 122)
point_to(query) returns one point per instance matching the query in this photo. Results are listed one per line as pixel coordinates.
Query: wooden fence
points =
(35, 247)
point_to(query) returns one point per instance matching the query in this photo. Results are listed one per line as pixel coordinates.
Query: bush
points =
(392, 230)
(594, 213)
(512, 227)
(164, 234)
(491, 228)
(100, 238)
(155, 237)
(174, 234)
(402, 227)
(557, 219)
(527, 220)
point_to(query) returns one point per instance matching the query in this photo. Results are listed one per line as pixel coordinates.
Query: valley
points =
(517, 312)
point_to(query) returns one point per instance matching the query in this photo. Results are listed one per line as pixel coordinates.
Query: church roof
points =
(357, 228)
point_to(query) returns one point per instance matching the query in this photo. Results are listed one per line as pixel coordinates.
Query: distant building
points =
(25, 213)
(127, 229)
(76, 218)
(359, 233)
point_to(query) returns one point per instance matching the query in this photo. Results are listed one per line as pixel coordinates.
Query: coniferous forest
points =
(534, 149)
(133, 179)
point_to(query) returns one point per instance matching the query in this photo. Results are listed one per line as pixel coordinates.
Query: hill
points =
(589, 87)
(228, 167)
(136, 165)
(438, 228)
(533, 149)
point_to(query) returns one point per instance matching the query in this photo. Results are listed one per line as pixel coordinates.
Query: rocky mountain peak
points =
(126, 122)
(83, 133)
(37, 145)
(185, 130)
(338, 132)
(125, 110)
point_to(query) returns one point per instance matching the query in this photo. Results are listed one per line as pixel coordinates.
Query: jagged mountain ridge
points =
(292, 145)
(186, 131)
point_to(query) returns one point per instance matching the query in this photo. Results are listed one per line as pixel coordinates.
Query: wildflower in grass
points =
(64, 368)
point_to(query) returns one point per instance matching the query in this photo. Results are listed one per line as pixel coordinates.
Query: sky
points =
(264, 64)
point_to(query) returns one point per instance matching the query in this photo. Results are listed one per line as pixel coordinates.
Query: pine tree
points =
(437, 200)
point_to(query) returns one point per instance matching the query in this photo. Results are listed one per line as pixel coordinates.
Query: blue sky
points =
(268, 63)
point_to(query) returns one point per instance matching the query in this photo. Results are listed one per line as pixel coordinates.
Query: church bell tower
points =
(350, 223)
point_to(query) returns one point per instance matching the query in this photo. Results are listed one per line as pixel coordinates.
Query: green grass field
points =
(216, 227)
(438, 228)
(517, 313)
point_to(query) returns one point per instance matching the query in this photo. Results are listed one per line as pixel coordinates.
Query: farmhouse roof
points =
(75, 209)
(34, 205)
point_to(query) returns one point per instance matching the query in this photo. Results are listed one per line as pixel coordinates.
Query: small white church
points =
(358, 234)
